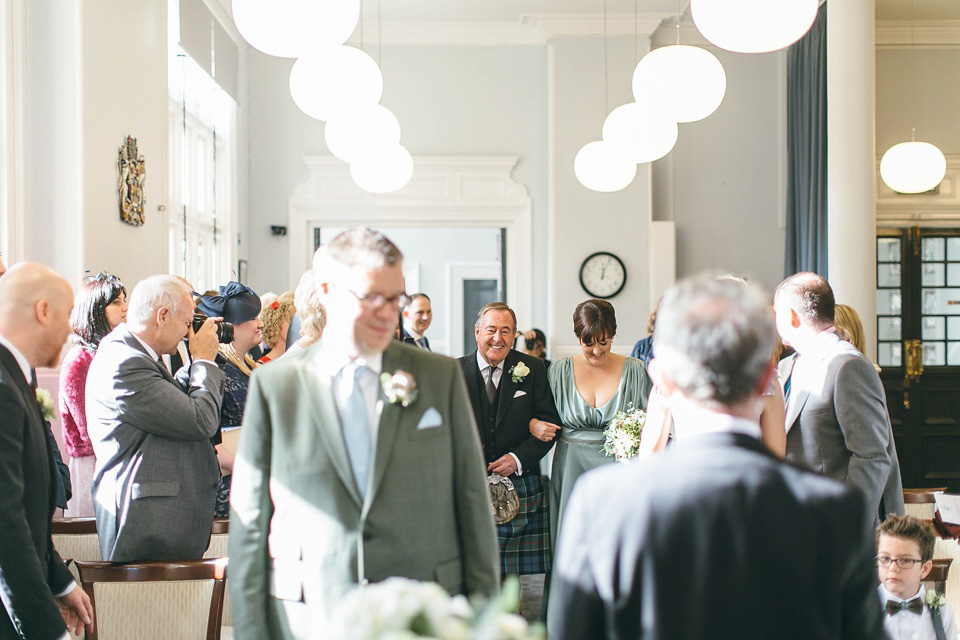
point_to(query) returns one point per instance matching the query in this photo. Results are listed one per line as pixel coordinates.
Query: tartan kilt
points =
(525, 540)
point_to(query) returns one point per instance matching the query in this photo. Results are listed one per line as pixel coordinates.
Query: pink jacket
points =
(73, 417)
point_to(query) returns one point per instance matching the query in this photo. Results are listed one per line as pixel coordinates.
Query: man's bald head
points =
(35, 304)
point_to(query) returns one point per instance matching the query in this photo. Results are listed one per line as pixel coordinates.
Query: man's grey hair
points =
(153, 293)
(495, 306)
(360, 247)
(714, 339)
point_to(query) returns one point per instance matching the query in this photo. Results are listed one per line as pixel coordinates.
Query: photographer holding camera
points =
(156, 477)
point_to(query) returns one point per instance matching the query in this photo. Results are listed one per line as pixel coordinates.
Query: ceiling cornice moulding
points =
(530, 30)
(926, 34)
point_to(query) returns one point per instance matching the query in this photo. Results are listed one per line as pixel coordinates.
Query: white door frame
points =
(445, 191)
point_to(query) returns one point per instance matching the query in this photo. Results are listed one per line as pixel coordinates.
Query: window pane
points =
(941, 302)
(953, 275)
(888, 275)
(933, 249)
(888, 328)
(953, 353)
(953, 249)
(934, 354)
(888, 249)
(934, 328)
(888, 302)
(889, 354)
(933, 274)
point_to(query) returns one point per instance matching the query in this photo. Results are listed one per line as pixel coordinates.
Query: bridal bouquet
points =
(404, 609)
(622, 435)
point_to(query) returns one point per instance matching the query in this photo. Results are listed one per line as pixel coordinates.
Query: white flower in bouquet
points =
(622, 435)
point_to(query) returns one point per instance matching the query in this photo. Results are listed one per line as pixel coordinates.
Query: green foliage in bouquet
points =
(622, 435)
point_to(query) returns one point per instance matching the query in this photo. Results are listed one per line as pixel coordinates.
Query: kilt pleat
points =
(525, 540)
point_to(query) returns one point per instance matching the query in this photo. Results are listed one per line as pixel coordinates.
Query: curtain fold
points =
(806, 238)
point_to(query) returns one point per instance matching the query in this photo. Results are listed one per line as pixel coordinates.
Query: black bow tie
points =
(915, 605)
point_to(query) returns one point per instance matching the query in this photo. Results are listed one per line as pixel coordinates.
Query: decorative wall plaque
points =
(131, 174)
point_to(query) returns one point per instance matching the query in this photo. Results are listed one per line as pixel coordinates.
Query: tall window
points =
(11, 155)
(203, 133)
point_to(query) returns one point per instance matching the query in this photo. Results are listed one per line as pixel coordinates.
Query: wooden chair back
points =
(921, 496)
(938, 575)
(76, 538)
(153, 599)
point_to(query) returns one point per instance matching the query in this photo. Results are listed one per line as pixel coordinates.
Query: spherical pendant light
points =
(599, 167)
(913, 167)
(639, 132)
(356, 134)
(291, 28)
(385, 170)
(753, 26)
(334, 81)
(689, 82)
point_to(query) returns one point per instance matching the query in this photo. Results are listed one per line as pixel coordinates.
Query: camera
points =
(224, 329)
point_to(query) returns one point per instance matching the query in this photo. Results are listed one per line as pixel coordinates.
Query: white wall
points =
(449, 100)
(96, 71)
(723, 184)
(921, 89)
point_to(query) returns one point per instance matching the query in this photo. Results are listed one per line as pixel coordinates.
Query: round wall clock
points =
(603, 275)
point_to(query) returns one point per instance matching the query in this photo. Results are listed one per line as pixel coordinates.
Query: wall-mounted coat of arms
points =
(132, 171)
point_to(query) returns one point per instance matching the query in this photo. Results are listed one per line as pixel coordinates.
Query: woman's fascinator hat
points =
(236, 303)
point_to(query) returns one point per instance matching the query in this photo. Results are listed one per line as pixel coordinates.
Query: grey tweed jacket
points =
(155, 482)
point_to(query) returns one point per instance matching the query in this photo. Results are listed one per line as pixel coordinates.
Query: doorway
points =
(918, 348)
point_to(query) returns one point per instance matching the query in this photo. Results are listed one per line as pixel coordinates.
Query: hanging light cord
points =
(606, 106)
(379, 35)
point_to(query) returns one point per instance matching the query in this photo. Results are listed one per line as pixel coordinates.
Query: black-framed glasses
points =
(903, 563)
(374, 301)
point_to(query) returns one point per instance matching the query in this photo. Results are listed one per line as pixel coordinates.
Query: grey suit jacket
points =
(837, 424)
(299, 530)
(156, 478)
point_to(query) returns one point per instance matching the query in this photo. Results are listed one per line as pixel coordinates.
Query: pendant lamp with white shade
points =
(387, 169)
(639, 132)
(689, 82)
(291, 28)
(359, 133)
(913, 167)
(600, 166)
(334, 81)
(753, 26)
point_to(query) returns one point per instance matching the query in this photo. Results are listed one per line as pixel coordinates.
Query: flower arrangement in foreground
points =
(404, 609)
(622, 435)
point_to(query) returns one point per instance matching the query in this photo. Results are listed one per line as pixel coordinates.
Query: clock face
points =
(603, 275)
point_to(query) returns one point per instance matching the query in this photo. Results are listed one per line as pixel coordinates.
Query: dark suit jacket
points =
(409, 339)
(714, 538)
(31, 571)
(510, 431)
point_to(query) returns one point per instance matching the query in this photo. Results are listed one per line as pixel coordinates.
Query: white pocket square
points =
(431, 418)
(519, 393)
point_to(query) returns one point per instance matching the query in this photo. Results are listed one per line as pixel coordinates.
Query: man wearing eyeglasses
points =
(358, 460)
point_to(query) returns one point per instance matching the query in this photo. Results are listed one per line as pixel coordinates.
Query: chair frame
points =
(921, 496)
(938, 574)
(211, 569)
(73, 526)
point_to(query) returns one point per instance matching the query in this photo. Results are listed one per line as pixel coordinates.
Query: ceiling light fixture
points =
(913, 167)
(689, 82)
(291, 28)
(334, 81)
(753, 26)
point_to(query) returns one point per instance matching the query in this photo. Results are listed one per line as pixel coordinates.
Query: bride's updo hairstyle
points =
(594, 320)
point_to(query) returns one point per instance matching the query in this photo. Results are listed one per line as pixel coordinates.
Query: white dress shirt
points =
(807, 371)
(497, 373)
(906, 625)
(692, 420)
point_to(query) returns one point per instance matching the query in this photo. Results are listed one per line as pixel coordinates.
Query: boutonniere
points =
(518, 372)
(45, 402)
(399, 387)
(934, 600)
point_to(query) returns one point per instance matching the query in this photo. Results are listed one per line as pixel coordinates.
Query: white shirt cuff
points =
(205, 360)
(519, 466)
(73, 585)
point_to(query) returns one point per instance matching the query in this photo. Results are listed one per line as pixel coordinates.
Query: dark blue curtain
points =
(806, 247)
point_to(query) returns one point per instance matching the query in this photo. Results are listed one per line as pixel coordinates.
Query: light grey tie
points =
(355, 422)
(491, 388)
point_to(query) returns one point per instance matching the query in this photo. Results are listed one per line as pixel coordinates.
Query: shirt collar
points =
(483, 364)
(20, 358)
(889, 596)
(692, 420)
(153, 354)
(333, 363)
(821, 344)
(413, 334)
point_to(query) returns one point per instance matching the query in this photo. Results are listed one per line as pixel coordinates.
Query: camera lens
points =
(224, 329)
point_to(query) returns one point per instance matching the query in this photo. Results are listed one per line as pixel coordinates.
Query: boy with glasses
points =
(904, 558)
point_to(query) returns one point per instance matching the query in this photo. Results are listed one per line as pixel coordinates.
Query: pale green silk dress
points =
(580, 444)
